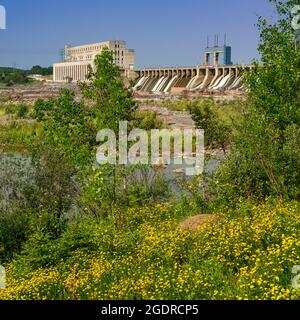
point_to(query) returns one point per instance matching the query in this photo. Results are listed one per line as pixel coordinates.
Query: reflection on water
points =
(174, 172)
(17, 170)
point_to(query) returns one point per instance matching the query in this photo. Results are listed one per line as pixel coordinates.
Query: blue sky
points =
(163, 32)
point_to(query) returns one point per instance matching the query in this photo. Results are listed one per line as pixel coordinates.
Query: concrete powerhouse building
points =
(77, 59)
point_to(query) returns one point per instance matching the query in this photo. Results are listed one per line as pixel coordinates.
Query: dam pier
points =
(179, 79)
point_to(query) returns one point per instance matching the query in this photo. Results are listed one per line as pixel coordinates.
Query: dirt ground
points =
(193, 223)
(171, 118)
(30, 92)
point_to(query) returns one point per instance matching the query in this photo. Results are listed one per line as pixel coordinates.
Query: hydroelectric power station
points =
(217, 72)
(213, 75)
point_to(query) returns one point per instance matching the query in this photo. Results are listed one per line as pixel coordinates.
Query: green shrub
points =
(23, 110)
(44, 250)
(14, 228)
(10, 108)
(146, 120)
(109, 187)
(217, 133)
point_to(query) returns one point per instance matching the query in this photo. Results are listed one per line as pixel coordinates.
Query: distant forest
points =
(11, 76)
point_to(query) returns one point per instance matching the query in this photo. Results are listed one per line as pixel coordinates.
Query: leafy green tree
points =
(111, 186)
(68, 124)
(14, 76)
(106, 90)
(36, 70)
(14, 227)
(61, 152)
(217, 133)
(41, 70)
(265, 160)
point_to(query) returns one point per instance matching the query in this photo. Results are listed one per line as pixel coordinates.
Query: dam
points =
(217, 74)
(177, 80)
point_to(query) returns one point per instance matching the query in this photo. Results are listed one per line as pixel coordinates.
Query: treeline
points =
(11, 76)
(42, 71)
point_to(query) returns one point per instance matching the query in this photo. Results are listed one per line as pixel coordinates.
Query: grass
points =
(147, 120)
(227, 109)
(16, 127)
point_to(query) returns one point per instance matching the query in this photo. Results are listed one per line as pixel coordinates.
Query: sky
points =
(163, 32)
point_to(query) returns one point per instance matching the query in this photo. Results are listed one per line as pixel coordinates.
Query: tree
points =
(217, 133)
(265, 159)
(60, 155)
(41, 70)
(108, 186)
(12, 76)
(105, 88)
(69, 124)
(36, 70)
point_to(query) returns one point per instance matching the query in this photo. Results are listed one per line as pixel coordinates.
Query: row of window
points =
(88, 57)
(93, 48)
(80, 58)
(117, 53)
